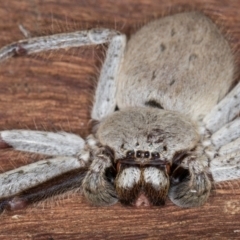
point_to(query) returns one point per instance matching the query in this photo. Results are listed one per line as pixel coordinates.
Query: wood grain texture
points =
(53, 91)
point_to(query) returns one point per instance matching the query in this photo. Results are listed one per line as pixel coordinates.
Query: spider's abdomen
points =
(181, 62)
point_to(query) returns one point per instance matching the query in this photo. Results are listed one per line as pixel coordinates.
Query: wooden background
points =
(53, 91)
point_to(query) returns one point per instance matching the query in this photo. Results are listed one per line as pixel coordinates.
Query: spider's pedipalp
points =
(17, 180)
(98, 185)
(105, 96)
(225, 111)
(57, 41)
(191, 181)
(192, 190)
(49, 143)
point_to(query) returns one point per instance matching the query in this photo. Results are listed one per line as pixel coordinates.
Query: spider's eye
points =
(110, 174)
(165, 148)
(139, 154)
(155, 155)
(130, 154)
(146, 154)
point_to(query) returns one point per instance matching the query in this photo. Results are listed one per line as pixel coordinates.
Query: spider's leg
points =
(54, 144)
(226, 134)
(15, 181)
(227, 167)
(68, 181)
(225, 111)
(57, 41)
(229, 147)
(224, 141)
(105, 96)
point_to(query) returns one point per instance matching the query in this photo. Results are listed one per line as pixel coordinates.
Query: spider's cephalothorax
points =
(174, 133)
(144, 149)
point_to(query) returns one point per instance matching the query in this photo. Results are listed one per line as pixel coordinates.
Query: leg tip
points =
(3, 144)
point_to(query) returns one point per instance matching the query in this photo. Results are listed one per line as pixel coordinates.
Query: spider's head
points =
(145, 143)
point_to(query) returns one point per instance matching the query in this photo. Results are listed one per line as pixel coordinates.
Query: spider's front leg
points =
(105, 99)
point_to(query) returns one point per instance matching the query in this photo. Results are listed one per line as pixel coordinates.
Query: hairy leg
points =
(225, 167)
(69, 181)
(57, 41)
(17, 180)
(229, 147)
(54, 144)
(105, 96)
(226, 134)
(225, 111)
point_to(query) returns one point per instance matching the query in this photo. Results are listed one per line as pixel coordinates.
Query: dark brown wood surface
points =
(53, 91)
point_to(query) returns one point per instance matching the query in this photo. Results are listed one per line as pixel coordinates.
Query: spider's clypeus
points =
(175, 132)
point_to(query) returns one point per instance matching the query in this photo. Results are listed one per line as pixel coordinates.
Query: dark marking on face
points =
(153, 103)
(172, 82)
(192, 57)
(162, 47)
(156, 136)
(153, 75)
(173, 32)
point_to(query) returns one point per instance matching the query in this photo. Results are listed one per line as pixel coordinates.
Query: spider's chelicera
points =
(175, 131)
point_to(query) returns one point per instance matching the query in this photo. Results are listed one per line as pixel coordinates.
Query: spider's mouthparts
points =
(142, 201)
